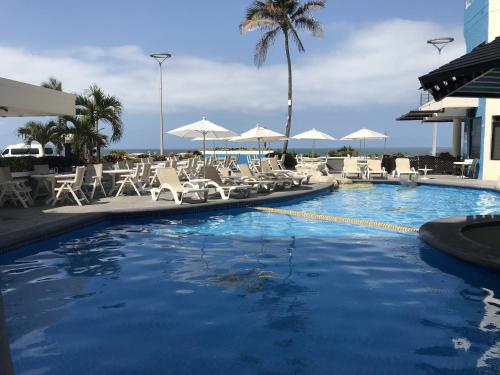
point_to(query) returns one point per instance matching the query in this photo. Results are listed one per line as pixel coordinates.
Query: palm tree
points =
(282, 16)
(97, 106)
(84, 136)
(54, 84)
(40, 132)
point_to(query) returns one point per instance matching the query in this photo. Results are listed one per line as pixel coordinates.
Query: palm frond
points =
(52, 83)
(310, 24)
(266, 41)
(295, 37)
(307, 7)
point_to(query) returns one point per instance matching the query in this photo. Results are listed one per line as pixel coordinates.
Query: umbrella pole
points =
(204, 157)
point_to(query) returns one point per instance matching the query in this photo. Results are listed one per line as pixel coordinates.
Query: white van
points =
(21, 149)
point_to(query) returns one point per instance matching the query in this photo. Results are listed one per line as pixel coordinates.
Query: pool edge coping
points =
(11, 241)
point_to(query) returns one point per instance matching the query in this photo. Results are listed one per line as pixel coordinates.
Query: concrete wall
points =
(494, 20)
(490, 168)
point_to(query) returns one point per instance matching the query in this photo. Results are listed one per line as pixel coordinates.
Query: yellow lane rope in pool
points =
(338, 219)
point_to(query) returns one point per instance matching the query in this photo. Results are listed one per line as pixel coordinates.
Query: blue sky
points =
(362, 73)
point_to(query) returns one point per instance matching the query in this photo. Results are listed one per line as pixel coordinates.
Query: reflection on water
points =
(239, 304)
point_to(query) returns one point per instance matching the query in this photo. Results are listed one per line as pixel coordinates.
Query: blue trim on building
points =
(476, 24)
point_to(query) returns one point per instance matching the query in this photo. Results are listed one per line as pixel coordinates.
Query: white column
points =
(457, 137)
(434, 138)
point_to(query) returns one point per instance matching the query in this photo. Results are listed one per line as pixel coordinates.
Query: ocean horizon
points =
(411, 151)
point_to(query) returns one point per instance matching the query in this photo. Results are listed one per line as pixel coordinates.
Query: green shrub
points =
(25, 163)
(342, 152)
(115, 155)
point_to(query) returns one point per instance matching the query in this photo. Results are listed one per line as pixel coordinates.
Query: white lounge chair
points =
(145, 176)
(268, 172)
(15, 191)
(351, 168)
(375, 168)
(130, 181)
(223, 189)
(93, 179)
(169, 180)
(403, 168)
(71, 187)
(244, 176)
(276, 167)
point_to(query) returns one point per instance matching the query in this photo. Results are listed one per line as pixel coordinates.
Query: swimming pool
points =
(248, 292)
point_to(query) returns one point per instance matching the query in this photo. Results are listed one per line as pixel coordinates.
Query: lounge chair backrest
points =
(273, 162)
(336, 165)
(79, 175)
(403, 164)
(350, 164)
(245, 170)
(146, 170)
(169, 176)
(212, 174)
(90, 173)
(98, 170)
(374, 164)
(41, 168)
(264, 166)
(226, 172)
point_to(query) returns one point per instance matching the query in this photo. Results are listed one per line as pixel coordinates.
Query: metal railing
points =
(425, 97)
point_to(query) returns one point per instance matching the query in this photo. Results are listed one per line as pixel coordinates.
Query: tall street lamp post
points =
(160, 58)
(439, 43)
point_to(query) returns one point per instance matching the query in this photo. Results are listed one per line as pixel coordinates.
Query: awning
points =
(417, 115)
(476, 74)
(22, 99)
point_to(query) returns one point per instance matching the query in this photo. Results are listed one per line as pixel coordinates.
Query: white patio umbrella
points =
(203, 128)
(363, 135)
(259, 134)
(314, 135)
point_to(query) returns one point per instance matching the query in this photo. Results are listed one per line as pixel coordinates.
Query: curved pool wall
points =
(247, 292)
(76, 219)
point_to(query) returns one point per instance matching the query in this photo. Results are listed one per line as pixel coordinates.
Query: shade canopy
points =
(475, 74)
(19, 99)
(204, 129)
(314, 135)
(217, 138)
(364, 134)
(259, 134)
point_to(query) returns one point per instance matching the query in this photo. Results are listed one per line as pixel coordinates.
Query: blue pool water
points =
(246, 292)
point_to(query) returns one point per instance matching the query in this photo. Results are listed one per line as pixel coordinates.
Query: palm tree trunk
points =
(98, 145)
(289, 118)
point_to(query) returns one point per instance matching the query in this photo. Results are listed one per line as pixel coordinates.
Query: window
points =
(495, 138)
(49, 151)
(20, 151)
(475, 138)
(5, 152)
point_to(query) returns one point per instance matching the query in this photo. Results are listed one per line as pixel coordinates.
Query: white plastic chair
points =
(71, 187)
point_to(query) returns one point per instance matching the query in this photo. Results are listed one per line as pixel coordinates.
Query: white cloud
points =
(374, 64)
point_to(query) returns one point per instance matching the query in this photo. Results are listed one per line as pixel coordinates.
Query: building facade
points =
(482, 25)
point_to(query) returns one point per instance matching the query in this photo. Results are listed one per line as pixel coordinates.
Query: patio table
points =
(113, 173)
(462, 164)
